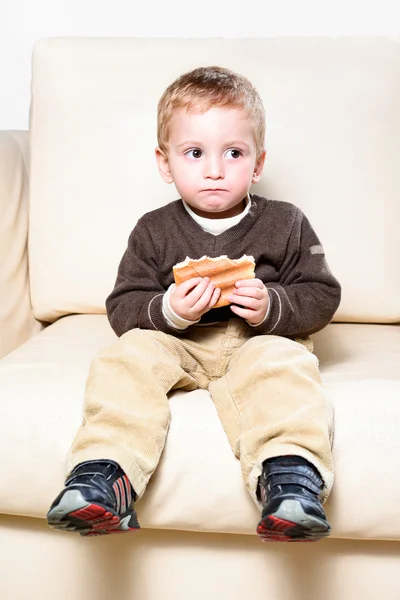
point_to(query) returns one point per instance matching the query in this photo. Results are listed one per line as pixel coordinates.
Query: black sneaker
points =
(290, 492)
(97, 500)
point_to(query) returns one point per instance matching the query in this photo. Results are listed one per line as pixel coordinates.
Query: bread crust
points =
(222, 271)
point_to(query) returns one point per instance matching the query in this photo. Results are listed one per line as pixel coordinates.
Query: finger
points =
(215, 296)
(243, 312)
(253, 292)
(246, 301)
(205, 298)
(197, 293)
(185, 287)
(250, 283)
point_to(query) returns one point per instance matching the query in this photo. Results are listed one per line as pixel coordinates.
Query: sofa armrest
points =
(17, 323)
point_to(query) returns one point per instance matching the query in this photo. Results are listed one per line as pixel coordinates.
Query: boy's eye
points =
(233, 153)
(195, 153)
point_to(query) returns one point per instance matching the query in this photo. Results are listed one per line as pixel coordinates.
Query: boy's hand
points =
(194, 297)
(253, 295)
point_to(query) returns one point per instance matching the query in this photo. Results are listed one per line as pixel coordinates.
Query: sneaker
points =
(290, 491)
(97, 500)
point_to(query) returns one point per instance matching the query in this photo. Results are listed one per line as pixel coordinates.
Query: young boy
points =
(254, 356)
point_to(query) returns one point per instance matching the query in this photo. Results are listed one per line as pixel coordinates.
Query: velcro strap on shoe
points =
(87, 474)
(293, 479)
(300, 470)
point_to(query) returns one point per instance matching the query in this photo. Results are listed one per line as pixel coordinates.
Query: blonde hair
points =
(207, 87)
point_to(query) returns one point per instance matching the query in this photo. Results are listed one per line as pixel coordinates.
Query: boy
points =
(254, 356)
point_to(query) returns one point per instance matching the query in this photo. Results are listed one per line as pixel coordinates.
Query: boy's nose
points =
(213, 169)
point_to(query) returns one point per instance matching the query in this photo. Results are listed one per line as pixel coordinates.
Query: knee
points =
(148, 341)
(123, 345)
(280, 347)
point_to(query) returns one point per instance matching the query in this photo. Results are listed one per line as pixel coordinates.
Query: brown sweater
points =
(290, 260)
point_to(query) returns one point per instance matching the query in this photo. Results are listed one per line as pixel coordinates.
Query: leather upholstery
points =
(42, 387)
(332, 135)
(17, 323)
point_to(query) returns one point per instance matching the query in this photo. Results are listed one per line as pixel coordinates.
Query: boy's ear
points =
(258, 169)
(163, 166)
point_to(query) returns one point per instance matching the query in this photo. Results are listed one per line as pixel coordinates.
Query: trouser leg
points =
(271, 403)
(126, 412)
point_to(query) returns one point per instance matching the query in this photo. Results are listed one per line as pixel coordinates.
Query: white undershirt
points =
(217, 226)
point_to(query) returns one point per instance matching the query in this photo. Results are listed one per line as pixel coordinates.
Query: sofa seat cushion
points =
(198, 484)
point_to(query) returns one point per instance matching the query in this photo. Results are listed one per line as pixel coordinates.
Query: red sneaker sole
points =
(93, 519)
(274, 529)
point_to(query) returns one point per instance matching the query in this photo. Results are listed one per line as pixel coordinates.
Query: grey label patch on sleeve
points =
(319, 249)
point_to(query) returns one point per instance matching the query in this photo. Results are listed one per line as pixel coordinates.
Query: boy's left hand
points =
(253, 295)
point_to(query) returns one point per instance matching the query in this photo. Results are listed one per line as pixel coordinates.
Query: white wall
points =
(24, 21)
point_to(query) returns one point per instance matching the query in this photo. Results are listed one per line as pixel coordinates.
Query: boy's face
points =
(211, 159)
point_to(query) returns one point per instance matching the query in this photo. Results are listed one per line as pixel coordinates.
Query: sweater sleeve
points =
(137, 298)
(307, 295)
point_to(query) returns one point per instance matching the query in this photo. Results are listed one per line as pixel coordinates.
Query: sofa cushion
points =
(17, 323)
(332, 108)
(198, 484)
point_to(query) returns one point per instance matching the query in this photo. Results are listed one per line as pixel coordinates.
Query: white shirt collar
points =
(217, 226)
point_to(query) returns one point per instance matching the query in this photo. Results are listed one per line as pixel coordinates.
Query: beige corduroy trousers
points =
(267, 391)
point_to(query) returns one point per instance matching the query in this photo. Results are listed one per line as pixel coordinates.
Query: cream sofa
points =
(73, 188)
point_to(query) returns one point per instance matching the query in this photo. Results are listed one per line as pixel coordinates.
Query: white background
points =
(24, 21)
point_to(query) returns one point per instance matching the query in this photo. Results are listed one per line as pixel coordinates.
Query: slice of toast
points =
(222, 271)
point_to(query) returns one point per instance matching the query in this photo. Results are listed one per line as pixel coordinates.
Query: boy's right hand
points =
(194, 297)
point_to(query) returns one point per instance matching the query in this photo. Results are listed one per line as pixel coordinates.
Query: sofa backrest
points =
(333, 149)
